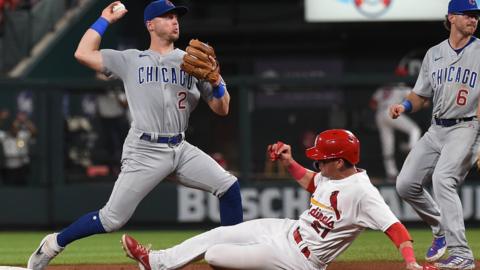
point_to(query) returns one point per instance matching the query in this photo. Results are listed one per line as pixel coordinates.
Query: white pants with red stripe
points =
(256, 244)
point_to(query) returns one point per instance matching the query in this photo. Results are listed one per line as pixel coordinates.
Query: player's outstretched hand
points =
(416, 266)
(396, 110)
(112, 15)
(280, 151)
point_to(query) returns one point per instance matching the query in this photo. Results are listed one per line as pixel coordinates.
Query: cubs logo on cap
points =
(463, 6)
(160, 7)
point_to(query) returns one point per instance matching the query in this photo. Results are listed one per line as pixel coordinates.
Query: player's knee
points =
(406, 189)
(213, 256)
(402, 189)
(110, 221)
(442, 182)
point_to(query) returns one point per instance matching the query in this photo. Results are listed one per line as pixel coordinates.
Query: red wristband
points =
(398, 234)
(408, 254)
(296, 170)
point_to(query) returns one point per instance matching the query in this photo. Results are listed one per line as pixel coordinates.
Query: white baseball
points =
(118, 7)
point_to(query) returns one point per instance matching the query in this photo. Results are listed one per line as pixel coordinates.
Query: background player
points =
(343, 204)
(161, 97)
(382, 99)
(449, 74)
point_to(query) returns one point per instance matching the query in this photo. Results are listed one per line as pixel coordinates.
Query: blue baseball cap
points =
(463, 6)
(160, 7)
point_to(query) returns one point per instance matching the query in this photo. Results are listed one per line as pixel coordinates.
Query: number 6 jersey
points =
(451, 77)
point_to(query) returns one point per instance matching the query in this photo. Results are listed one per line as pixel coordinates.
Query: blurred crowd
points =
(12, 5)
(95, 127)
(17, 135)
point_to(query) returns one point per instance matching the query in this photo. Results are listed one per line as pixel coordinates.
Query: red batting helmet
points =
(335, 143)
(411, 63)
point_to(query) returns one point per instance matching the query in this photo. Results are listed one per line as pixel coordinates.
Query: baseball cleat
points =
(436, 251)
(46, 251)
(136, 251)
(456, 262)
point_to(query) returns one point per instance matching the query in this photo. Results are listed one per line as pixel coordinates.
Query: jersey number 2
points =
(462, 97)
(181, 98)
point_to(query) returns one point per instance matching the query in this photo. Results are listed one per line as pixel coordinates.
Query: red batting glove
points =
(428, 266)
(273, 150)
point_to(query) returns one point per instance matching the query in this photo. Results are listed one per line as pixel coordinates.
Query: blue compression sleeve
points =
(87, 225)
(231, 210)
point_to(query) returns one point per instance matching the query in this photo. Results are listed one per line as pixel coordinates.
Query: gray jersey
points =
(451, 79)
(160, 95)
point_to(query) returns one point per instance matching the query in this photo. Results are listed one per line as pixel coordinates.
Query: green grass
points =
(16, 247)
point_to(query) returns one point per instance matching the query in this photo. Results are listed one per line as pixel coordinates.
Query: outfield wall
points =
(170, 204)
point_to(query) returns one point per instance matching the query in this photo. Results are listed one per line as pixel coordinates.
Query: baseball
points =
(118, 7)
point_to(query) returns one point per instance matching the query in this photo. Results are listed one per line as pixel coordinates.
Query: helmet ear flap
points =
(316, 165)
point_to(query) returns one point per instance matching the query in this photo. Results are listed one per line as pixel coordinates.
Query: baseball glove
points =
(200, 61)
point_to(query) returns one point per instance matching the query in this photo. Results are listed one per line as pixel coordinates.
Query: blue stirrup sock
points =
(87, 225)
(231, 210)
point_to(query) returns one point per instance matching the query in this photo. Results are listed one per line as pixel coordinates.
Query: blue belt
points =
(451, 122)
(173, 140)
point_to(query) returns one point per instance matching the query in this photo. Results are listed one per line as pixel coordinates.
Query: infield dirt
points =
(334, 266)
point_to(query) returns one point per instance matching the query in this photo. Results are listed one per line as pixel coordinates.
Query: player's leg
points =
(387, 138)
(456, 159)
(142, 169)
(408, 126)
(274, 252)
(198, 170)
(234, 256)
(247, 233)
(417, 169)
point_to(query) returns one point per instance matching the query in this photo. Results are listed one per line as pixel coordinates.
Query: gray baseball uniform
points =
(161, 97)
(448, 149)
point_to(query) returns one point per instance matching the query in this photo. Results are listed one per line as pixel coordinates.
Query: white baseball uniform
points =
(386, 96)
(339, 211)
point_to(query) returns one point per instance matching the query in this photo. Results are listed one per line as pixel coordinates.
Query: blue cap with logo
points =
(463, 6)
(160, 7)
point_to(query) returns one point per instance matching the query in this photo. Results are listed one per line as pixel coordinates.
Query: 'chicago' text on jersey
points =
(150, 74)
(454, 74)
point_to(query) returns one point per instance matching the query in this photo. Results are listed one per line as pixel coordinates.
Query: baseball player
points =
(449, 75)
(381, 100)
(342, 205)
(161, 97)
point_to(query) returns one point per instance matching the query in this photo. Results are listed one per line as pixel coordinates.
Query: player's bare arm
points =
(403, 241)
(221, 105)
(87, 52)
(283, 153)
(416, 103)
